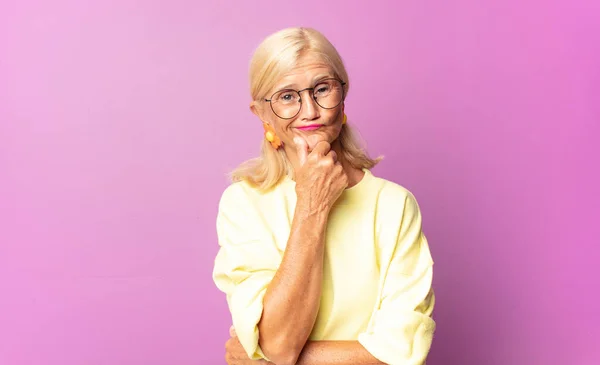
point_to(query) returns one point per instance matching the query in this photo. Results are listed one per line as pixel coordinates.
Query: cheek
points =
(336, 115)
(282, 127)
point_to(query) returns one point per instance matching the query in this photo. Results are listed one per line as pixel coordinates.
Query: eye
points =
(286, 96)
(322, 89)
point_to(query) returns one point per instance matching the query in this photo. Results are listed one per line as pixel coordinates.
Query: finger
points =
(313, 140)
(333, 156)
(232, 332)
(301, 149)
(322, 148)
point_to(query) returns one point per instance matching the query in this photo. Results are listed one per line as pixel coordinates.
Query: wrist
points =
(316, 213)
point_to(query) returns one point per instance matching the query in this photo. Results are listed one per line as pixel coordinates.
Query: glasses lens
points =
(286, 103)
(329, 93)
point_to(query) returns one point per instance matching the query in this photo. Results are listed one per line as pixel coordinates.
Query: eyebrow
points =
(314, 81)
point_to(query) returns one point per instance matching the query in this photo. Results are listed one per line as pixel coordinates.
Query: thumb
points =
(232, 332)
(313, 140)
(301, 149)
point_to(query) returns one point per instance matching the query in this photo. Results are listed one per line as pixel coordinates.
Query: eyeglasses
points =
(327, 93)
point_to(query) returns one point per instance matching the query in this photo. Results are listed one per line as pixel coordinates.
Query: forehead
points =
(308, 69)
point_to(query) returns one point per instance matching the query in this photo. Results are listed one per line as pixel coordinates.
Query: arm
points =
(401, 329)
(336, 353)
(291, 302)
(314, 353)
(245, 264)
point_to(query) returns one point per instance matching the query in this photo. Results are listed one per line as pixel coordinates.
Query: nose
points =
(309, 110)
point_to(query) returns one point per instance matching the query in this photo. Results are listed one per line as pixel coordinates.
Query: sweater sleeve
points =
(401, 329)
(245, 264)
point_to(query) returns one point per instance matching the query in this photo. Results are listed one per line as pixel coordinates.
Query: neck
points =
(355, 175)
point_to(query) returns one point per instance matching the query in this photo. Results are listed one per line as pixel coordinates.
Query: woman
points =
(321, 261)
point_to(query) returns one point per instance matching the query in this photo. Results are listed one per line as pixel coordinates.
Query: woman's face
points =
(312, 122)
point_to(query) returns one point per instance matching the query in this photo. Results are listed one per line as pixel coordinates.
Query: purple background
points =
(119, 120)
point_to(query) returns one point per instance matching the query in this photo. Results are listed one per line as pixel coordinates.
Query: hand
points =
(321, 179)
(235, 353)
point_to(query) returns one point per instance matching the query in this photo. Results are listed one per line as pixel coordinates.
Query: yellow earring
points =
(345, 119)
(271, 136)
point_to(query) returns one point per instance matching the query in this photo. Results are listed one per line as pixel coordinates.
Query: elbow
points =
(281, 352)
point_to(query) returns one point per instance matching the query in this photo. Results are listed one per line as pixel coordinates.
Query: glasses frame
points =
(313, 96)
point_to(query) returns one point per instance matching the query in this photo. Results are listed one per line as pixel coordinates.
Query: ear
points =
(256, 109)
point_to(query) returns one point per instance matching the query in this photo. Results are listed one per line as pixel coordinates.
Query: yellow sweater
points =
(377, 270)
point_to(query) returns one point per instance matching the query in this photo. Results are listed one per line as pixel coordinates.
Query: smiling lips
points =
(310, 127)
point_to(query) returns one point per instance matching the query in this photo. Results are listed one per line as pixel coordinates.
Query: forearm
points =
(291, 303)
(336, 353)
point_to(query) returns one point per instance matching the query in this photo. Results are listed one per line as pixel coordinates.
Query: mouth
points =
(310, 127)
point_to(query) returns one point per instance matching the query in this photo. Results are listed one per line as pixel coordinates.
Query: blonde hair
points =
(275, 56)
